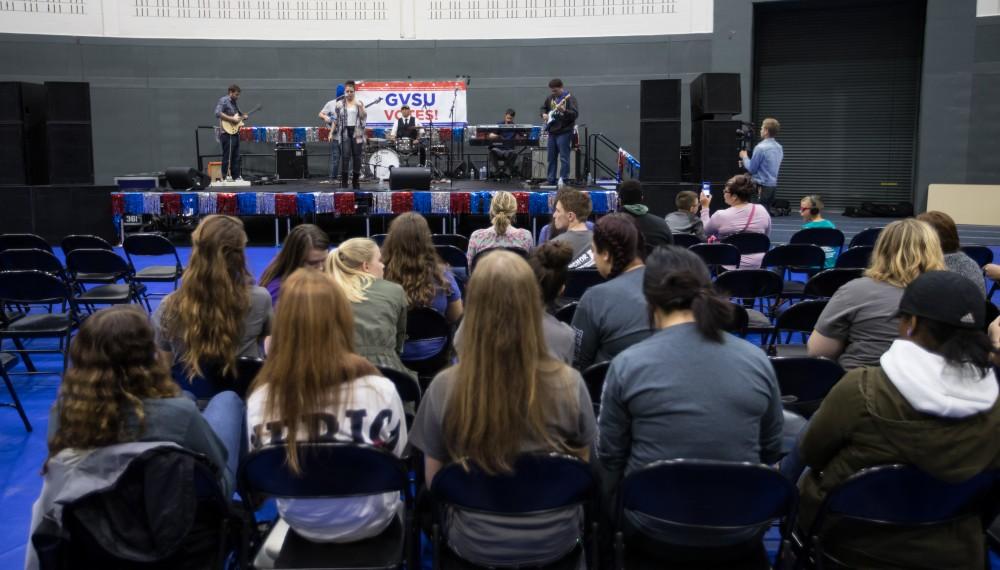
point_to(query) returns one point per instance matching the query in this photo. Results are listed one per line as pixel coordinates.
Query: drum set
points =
(382, 155)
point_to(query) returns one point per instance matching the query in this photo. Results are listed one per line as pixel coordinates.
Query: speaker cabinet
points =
(70, 153)
(67, 101)
(660, 99)
(22, 133)
(715, 95)
(659, 196)
(539, 166)
(290, 162)
(410, 178)
(660, 151)
(714, 151)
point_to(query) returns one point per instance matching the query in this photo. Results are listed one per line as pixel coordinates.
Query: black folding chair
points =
(801, 318)
(37, 259)
(458, 261)
(823, 237)
(753, 287)
(456, 240)
(897, 497)
(407, 388)
(379, 239)
(992, 312)
(153, 245)
(8, 361)
(593, 377)
(109, 263)
(825, 283)
(84, 241)
(979, 253)
(749, 243)
(794, 258)
(37, 289)
(516, 250)
(579, 280)
(740, 321)
(330, 470)
(857, 257)
(213, 381)
(686, 240)
(426, 324)
(540, 483)
(23, 241)
(867, 236)
(715, 255)
(805, 381)
(696, 494)
(566, 312)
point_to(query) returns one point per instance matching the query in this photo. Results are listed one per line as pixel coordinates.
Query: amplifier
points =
(290, 161)
(540, 164)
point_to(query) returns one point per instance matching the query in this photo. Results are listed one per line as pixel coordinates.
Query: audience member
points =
(379, 306)
(741, 216)
(858, 324)
(305, 246)
(954, 258)
(612, 316)
(654, 229)
(570, 216)
(690, 390)
(930, 402)
(501, 233)
(506, 396)
(685, 219)
(411, 260)
(117, 390)
(217, 314)
(550, 262)
(316, 387)
(811, 210)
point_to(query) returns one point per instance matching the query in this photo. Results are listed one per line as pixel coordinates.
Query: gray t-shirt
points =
(560, 338)
(581, 242)
(611, 317)
(488, 539)
(862, 314)
(718, 401)
(962, 264)
(686, 223)
(256, 326)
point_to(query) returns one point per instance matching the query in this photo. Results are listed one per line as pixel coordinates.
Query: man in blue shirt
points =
(227, 110)
(766, 160)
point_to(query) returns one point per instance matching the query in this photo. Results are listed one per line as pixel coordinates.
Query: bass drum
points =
(382, 161)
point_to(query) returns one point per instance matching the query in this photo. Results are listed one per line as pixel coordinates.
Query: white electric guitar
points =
(557, 111)
(234, 128)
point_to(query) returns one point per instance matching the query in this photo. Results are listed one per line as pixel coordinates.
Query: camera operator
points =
(763, 165)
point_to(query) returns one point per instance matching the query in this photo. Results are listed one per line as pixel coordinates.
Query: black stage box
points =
(55, 212)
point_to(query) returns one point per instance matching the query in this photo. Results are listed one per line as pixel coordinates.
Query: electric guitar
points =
(557, 111)
(234, 128)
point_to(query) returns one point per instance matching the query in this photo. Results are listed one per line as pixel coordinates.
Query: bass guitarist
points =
(559, 113)
(228, 111)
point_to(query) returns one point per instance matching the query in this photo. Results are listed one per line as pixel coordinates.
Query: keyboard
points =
(509, 135)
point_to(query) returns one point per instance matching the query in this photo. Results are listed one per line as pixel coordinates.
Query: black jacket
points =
(567, 119)
(654, 229)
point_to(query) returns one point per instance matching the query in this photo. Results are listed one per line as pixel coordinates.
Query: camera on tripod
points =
(745, 135)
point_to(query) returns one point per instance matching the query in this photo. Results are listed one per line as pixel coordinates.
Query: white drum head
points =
(382, 161)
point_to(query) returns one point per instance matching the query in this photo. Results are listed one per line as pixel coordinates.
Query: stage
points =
(369, 185)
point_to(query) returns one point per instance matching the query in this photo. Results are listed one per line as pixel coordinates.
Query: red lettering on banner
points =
(390, 114)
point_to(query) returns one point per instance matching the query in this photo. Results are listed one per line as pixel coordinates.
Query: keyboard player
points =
(501, 144)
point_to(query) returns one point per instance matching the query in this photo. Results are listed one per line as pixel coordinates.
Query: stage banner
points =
(442, 102)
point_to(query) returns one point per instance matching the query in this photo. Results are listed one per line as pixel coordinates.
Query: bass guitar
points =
(234, 128)
(556, 111)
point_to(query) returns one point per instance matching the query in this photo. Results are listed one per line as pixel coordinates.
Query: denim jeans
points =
(230, 148)
(559, 148)
(334, 158)
(226, 414)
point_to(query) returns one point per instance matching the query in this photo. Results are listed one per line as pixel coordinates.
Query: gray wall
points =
(148, 95)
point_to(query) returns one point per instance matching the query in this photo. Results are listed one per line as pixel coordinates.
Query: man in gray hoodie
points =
(653, 229)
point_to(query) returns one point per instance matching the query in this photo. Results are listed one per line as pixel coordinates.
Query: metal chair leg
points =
(22, 352)
(17, 401)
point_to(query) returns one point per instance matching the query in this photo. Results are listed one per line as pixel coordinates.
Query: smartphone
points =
(706, 189)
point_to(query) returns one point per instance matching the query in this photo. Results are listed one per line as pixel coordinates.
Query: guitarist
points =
(350, 121)
(559, 112)
(227, 110)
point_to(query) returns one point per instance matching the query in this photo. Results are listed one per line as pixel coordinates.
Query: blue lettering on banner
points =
(412, 99)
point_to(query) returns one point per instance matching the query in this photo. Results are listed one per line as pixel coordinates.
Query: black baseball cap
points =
(946, 297)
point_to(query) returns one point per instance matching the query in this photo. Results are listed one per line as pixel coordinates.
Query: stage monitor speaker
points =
(660, 99)
(70, 153)
(290, 162)
(715, 95)
(185, 178)
(660, 151)
(659, 196)
(714, 151)
(410, 178)
(67, 101)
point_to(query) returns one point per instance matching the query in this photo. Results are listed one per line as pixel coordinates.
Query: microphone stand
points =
(429, 158)
(451, 143)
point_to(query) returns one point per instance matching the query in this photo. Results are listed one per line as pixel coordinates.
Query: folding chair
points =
(753, 286)
(8, 361)
(794, 258)
(801, 318)
(458, 262)
(540, 484)
(407, 388)
(429, 328)
(686, 240)
(857, 257)
(823, 237)
(697, 494)
(749, 243)
(105, 262)
(897, 497)
(37, 259)
(379, 239)
(213, 381)
(152, 245)
(36, 288)
(23, 241)
(593, 377)
(329, 470)
(455, 240)
(566, 312)
(825, 283)
(805, 381)
(740, 321)
(979, 253)
(516, 250)
(867, 236)
(716, 255)
(579, 280)
(84, 241)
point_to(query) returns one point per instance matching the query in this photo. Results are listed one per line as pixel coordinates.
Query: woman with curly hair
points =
(217, 314)
(411, 260)
(612, 316)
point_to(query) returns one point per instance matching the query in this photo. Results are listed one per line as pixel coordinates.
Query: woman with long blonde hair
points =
(859, 323)
(501, 233)
(217, 314)
(412, 261)
(507, 395)
(313, 378)
(379, 306)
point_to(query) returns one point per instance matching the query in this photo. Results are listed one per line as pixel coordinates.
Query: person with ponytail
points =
(691, 391)
(550, 262)
(612, 316)
(501, 233)
(315, 386)
(378, 306)
(305, 246)
(931, 403)
(217, 314)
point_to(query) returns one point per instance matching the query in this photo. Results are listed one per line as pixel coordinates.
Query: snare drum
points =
(382, 161)
(404, 145)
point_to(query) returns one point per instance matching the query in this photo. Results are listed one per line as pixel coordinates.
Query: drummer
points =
(408, 127)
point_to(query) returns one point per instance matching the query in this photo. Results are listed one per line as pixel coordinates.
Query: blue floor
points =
(22, 454)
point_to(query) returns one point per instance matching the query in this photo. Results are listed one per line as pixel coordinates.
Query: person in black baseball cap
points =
(932, 403)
